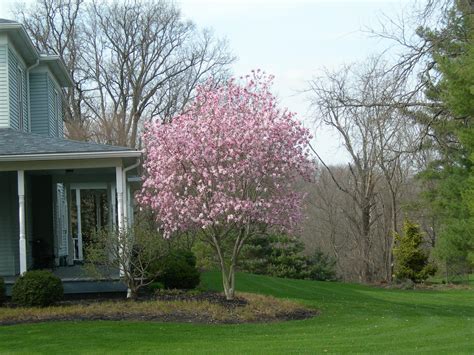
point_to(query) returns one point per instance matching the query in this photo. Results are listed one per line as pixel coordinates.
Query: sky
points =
(293, 40)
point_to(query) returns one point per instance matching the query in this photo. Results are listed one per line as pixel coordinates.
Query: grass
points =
(354, 318)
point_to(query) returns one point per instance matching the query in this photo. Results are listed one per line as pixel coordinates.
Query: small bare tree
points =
(133, 253)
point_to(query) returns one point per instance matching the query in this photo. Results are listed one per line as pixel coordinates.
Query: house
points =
(53, 192)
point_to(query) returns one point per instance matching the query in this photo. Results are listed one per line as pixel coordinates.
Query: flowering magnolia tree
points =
(226, 168)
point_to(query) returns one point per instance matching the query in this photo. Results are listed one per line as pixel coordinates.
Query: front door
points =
(90, 212)
(42, 229)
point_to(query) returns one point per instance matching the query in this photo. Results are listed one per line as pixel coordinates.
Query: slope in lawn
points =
(354, 318)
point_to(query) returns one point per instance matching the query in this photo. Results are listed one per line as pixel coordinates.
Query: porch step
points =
(84, 286)
(93, 286)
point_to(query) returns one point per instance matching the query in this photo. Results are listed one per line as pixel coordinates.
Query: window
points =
(20, 99)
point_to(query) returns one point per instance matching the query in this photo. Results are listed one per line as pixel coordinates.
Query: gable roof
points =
(15, 143)
(24, 45)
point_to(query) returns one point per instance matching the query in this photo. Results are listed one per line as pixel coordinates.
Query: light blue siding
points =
(9, 234)
(39, 103)
(61, 116)
(4, 115)
(17, 79)
(55, 109)
(46, 105)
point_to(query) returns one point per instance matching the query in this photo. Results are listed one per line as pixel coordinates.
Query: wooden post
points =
(21, 219)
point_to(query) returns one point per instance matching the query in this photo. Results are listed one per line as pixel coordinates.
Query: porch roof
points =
(17, 145)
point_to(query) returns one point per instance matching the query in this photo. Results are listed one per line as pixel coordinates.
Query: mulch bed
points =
(196, 308)
(211, 297)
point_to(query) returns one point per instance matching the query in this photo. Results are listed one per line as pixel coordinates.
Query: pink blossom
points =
(232, 157)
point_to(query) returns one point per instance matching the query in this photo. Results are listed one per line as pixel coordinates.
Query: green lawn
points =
(354, 318)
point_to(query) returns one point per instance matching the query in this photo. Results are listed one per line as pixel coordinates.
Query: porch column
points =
(79, 255)
(21, 219)
(119, 185)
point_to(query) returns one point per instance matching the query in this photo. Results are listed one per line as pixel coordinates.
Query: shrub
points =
(2, 291)
(38, 288)
(411, 261)
(282, 256)
(205, 258)
(275, 255)
(178, 270)
(321, 266)
(155, 286)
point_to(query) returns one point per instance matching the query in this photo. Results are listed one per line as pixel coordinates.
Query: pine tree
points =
(453, 198)
(411, 260)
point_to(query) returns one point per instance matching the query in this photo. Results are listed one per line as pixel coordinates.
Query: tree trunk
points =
(228, 281)
(130, 294)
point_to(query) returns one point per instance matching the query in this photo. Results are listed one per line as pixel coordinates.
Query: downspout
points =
(28, 91)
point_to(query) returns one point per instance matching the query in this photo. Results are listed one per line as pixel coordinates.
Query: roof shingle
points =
(14, 142)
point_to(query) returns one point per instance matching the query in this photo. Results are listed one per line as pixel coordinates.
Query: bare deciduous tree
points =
(56, 27)
(131, 61)
(375, 137)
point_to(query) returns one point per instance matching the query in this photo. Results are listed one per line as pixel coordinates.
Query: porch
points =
(53, 197)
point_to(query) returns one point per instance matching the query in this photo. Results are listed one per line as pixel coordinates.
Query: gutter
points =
(71, 156)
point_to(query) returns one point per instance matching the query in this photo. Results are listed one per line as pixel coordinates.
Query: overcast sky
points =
(292, 39)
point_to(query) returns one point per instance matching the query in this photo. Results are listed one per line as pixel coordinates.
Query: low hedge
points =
(37, 288)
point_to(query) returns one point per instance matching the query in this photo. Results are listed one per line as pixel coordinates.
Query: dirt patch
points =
(204, 308)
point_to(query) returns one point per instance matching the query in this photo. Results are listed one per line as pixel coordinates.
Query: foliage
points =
(2, 291)
(321, 266)
(286, 259)
(453, 196)
(411, 261)
(37, 288)
(282, 256)
(155, 286)
(206, 260)
(227, 168)
(132, 251)
(177, 270)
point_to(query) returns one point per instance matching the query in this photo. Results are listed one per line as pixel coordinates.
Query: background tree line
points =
(406, 125)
